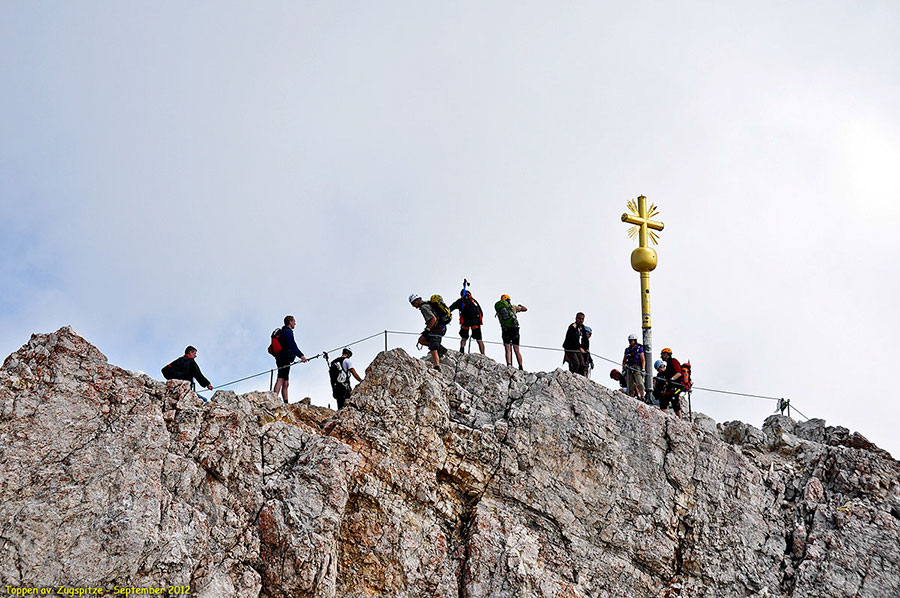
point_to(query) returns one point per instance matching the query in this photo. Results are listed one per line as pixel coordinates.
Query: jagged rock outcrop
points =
(476, 481)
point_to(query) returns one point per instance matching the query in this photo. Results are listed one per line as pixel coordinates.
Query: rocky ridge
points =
(476, 481)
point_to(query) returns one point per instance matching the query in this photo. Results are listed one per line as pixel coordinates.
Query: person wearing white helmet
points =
(434, 331)
(633, 365)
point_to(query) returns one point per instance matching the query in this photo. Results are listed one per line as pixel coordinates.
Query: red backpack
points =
(686, 375)
(275, 343)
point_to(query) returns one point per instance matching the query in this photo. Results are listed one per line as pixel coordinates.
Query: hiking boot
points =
(463, 351)
(521, 368)
(437, 367)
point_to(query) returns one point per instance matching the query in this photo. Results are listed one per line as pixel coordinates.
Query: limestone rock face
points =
(475, 481)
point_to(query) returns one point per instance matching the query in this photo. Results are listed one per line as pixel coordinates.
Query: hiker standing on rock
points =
(285, 357)
(633, 365)
(509, 327)
(434, 330)
(339, 370)
(588, 358)
(185, 368)
(470, 316)
(573, 345)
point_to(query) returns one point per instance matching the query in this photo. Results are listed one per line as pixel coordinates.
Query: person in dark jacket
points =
(285, 357)
(573, 345)
(185, 368)
(672, 374)
(470, 316)
(586, 345)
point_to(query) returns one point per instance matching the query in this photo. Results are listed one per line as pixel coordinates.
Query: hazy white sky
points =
(177, 173)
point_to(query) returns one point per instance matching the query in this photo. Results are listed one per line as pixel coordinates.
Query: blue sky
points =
(175, 174)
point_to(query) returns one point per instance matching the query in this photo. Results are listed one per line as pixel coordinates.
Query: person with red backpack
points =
(671, 392)
(284, 356)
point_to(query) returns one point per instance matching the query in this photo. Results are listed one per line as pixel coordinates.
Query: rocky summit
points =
(474, 481)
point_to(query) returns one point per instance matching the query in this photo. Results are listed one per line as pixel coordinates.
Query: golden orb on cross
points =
(644, 259)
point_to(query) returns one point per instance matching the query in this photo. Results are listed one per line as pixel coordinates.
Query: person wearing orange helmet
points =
(671, 393)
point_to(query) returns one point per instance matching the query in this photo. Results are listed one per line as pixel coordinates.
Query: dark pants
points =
(576, 362)
(341, 393)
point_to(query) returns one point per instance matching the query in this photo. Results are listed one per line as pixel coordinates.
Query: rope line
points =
(536, 347)
(290, 364)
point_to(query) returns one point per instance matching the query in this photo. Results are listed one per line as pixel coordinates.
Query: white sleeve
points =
(347, 365)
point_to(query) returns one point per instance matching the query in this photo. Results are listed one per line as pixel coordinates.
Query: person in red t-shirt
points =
(672, 374)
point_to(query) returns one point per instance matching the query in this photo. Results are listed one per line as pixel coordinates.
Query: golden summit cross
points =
(644, 260)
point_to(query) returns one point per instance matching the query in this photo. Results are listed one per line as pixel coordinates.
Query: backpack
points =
(275, 344)
(177, 370)
(506, 314)
(336, 372)
(441, 311)
(686, 381)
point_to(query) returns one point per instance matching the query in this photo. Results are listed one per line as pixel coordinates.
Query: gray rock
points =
(476, 481)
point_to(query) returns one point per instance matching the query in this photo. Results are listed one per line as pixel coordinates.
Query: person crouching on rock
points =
(185, 368)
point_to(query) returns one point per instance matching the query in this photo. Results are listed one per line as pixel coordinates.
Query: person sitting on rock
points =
(185, 368)
(618, 377)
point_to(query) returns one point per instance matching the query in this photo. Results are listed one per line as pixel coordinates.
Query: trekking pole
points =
(271, 375)
(385, 341)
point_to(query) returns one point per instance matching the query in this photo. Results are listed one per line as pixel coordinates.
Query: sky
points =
(175, 174)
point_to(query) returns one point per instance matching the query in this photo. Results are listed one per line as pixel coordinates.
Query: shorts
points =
(510, 335)
(476, 332)
(433, 337)
(284, 368)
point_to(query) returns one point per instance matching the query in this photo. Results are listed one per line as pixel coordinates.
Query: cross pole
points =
(643, 261)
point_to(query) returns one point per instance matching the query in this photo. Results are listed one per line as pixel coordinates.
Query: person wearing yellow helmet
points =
(509, 327)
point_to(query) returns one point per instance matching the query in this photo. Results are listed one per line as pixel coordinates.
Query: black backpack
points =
(337, 374)
(177, 370)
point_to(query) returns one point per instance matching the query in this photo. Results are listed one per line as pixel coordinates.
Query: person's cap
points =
(588, 329)
(615, 375)
(659, 364)
(465, 293)
(504, 297)
(666, 350)
(632, 337)
(347, 352)
(413, 297)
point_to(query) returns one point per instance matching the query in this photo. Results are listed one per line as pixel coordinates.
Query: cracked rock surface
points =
(475, 481)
